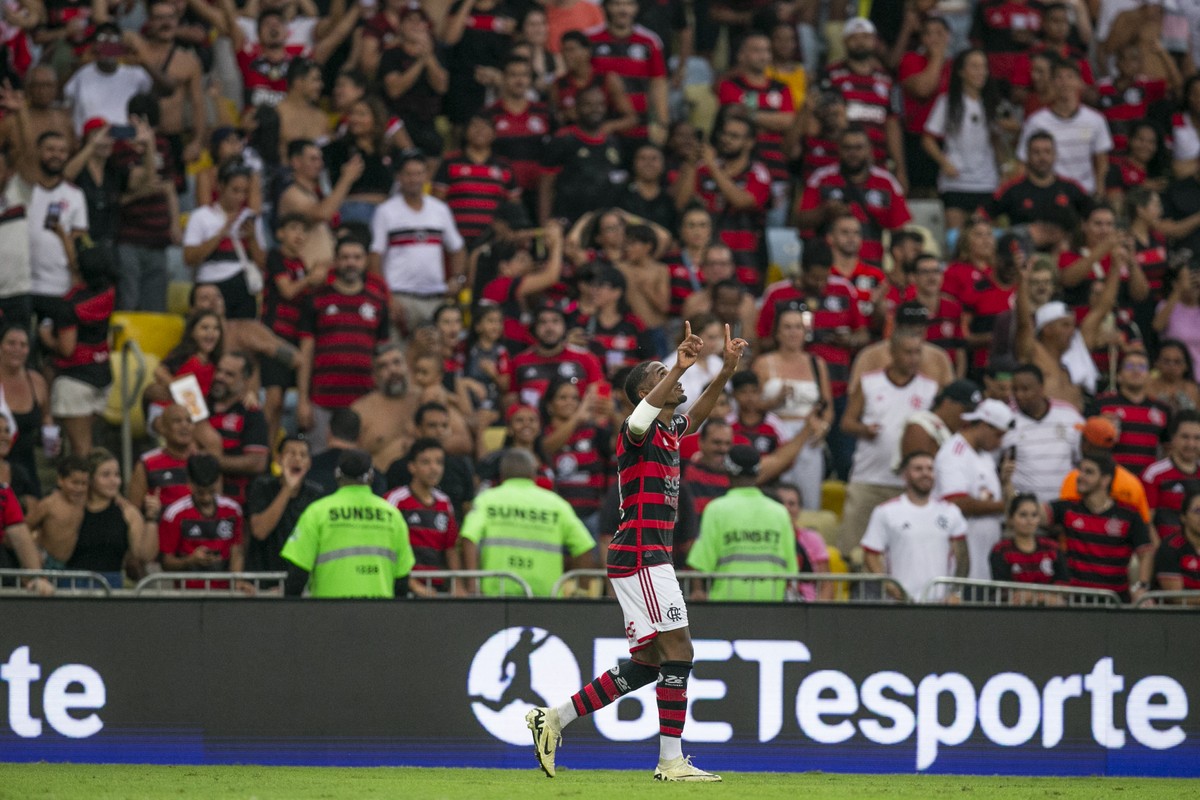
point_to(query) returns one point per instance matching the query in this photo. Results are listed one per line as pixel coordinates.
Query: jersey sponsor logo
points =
(638, 52)
(513, 671)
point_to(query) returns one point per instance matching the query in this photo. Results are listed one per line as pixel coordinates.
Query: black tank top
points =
(29, 430)
(103, 541)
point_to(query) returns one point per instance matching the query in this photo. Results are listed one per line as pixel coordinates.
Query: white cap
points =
(1051, 312)
(991, 412)
(858, 25)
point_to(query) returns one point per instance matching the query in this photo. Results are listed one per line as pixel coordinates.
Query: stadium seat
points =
(824, 522)
(930, 215)
(833, 496)
(493, 439)
(156, 334)
(784, 250)
(178, 294)
(113, 413)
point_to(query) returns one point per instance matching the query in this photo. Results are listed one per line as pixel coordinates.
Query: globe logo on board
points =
(515, 670)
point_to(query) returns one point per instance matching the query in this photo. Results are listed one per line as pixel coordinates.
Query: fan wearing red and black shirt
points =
(635, 53)
(163, 471)
(432, 528)
(340, 327)
(577, 443)
(13, 528)
(1027, 557)
(1100, 536)
(551, 356)
(474, 181)
(868, 92)
(945, 328)
(845, 241)
(923, 74)
(1177, 561)
(1169, 479)
(78, 339)
(1125, 98)
(854, 186)
(1054, 38)
(202, 531)
(988, 297)
(241, 447)
(522, 125)
(1005, 29)
(520, 282)
(734, 187)
(705, 473)
(769, 103)
(1141, 420)
(654, 614)
(616, 336)
(581, 74)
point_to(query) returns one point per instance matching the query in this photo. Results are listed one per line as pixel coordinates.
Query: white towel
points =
(1077, 361)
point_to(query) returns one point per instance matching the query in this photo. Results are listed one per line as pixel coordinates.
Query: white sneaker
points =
(547, 736)
(681, 769)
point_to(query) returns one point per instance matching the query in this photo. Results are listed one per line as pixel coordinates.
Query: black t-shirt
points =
(1023, 202)
(262, 555)
(458, 480)
(589, 172)
(324, 468)
(664, 17)
(377, 177)
(660, 210)
(420, 104)
(1180, 200)
(103, 199)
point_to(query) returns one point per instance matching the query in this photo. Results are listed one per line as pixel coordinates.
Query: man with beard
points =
(104, 87)
(387, 412)
(855, 186)
(522, 125)
(57, 214)
(305, 196)
(734, 187)
(340, 326)
(867, 90)
(235, 435)
(582, 169)
(551, 356)
(30, 115)
(1045, 441)
(274, 505)
(918, 533)
(1029, 198)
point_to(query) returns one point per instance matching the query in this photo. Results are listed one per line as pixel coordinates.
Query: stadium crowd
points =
(961, 236)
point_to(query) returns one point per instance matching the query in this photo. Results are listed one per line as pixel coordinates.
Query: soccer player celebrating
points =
(639, 561)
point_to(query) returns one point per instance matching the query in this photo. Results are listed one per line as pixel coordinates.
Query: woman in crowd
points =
(486, 360)
(815, 551)
(523, 431)
(25, 399)
(534, 34)
(226, 146)
(14, 475)
(964, 121)
(1144, 165)
(1174, 378)
(221, 247)
(575, 439)
(366, 135)
(1027, 557)
(196, 354)
(795, 382)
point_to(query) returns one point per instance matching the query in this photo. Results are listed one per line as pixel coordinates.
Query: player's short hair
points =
(910, 457)
(637, 377)
(1103, 461)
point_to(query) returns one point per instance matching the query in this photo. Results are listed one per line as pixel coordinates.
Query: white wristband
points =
(642, 418)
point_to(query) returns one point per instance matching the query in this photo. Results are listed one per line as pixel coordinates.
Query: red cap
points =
(92, 124)
(514, 408)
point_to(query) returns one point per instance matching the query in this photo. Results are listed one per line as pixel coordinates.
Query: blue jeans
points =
(841, 445)
(357, 211)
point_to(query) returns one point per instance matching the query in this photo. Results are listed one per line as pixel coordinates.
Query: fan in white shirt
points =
(1044, 444)
(1081, 134)
(915, 538)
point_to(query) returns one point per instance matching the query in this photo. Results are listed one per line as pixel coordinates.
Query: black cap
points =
(742, 461)
(965, 393)
(912, 314)
(354, 465)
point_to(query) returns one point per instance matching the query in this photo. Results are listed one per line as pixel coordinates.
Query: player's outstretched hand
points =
(689, 348)
(733, 350)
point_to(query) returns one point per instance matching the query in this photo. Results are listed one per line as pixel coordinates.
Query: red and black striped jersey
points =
(532, 372)
(835, 311)
(637, 59)
(1044, 564)
(763, 437)
(569, 89)
(1123, 174)
(878, 203)
(1166, 485)
(264, 82)
(648, 481)
(705, 483)
(165, 474)
(1152, 258)
(345, 329)
(1005, 30)
(771, 96)
(581, 468)
(503, 292)
(242, 432)
(432, 529)
(1124, 108)
(945, 327)
(865, 279)
(985, 300)
(521, 138)
(183, 529)
(475, 190)
(1098, 546)
(146, 219)
(621, 345)
(685, 281)
(278, 313)
(87, 312)
(1142, 425)
(1177, 557)
(741, 231)
(868, 101)
(819, 153)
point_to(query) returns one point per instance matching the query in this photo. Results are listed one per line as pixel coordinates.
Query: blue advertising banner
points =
(775, 687)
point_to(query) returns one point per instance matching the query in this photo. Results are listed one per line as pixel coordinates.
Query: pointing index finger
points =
(687, 329)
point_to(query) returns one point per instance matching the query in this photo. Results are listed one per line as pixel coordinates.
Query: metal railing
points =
(67, 583)
(863, 588)
(975, 592)
(1172, 601)
(218, 584)
(469, 580)
(129, 398)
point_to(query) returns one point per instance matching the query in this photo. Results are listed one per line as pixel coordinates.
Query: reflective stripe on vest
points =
(352, 552)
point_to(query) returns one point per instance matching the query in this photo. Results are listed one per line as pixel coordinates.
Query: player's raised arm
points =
(705, 402)
(665, 393)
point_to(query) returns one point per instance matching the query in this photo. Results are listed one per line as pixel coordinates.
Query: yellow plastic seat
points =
(833, 496)
(113, 413)
(493, 439)
(841, 590)
(178, 294)
(156, 334)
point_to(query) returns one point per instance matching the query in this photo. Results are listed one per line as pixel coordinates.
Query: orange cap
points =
(1099, 432)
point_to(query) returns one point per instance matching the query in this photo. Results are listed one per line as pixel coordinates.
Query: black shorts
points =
(968, 202)
(273, 372)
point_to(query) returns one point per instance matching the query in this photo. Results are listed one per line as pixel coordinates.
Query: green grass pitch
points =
(91, 782)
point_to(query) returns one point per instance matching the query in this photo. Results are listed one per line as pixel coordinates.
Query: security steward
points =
(521, 528)
(744, 532)
(351, 543)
